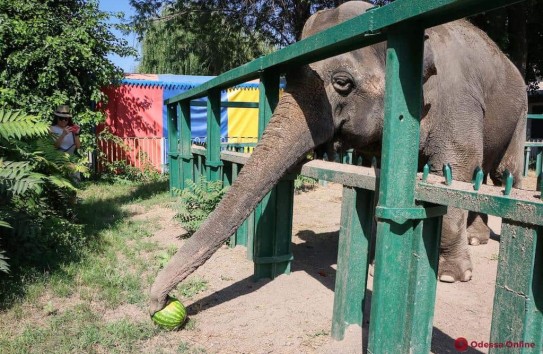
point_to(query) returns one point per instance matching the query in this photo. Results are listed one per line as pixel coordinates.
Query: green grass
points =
(80, 329)
(61, 309)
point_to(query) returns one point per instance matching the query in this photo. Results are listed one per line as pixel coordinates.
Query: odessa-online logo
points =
(461, 344)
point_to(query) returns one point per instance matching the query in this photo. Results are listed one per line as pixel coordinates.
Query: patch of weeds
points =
(192, 287)
(494, 257)
(162, 258)
(225, 278)
(185, 348)
(115, 283)
(50, 309)
(304, 184)
(320, 333)
(197, 201)
(190, 325)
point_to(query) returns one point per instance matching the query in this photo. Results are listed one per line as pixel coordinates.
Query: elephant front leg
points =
(454, 261)
(478, 232)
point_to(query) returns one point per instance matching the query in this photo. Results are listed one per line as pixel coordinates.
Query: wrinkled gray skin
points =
(475, 104)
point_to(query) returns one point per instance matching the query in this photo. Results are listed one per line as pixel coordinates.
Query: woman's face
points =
(62, 121)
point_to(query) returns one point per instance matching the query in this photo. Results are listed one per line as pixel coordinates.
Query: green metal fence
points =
(410, 205)
(532, 148)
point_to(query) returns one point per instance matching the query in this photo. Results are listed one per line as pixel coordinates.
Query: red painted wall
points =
(135, 111)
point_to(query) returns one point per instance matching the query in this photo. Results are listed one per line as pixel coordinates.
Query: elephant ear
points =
(429, 65)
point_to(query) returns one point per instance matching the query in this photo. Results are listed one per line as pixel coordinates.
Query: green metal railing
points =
(410, 205)
(529, 148)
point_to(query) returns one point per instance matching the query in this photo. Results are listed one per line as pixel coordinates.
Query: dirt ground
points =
(293, 313)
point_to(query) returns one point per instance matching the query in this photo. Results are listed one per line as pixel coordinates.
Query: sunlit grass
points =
(62, 310)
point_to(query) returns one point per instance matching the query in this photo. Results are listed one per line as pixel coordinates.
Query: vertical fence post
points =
(273, 216)
(186, 143)
(405, 273)
(173, 148)
(517, 318)
(213, 141)
(352, 262)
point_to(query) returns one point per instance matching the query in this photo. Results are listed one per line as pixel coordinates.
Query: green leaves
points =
(197, 201)
(56, 52)
(15, 124)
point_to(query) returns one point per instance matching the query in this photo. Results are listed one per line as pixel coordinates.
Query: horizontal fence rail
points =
(410, 206)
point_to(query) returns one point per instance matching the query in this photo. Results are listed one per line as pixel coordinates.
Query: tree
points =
(518, 31)
(55, 52)
(201, 42)
(280, 22)
(51, 52)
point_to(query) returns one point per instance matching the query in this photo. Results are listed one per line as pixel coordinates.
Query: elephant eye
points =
(343, 83)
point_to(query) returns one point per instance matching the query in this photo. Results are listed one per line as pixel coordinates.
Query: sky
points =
(128, 64)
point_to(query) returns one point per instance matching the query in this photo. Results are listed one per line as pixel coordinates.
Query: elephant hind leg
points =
(513, 158)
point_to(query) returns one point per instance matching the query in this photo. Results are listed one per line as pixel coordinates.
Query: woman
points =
(66, 133)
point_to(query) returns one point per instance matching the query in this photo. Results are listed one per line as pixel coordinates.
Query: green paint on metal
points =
(535, 116)
(398, 246)
(447, 173)
(478, 177)
(518, 301)
(508, 179)
(425, 172)
(527, 151)
(187, 163)
(213, 141)
(510, 207)
(353, 259)
(227, 104)
(173, 153)
(401, 215)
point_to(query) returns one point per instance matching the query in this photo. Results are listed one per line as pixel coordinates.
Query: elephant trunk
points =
(291, 133)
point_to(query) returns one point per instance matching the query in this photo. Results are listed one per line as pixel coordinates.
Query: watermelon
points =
(172, 316)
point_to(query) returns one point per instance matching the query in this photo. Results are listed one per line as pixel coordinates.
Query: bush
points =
(35, 188)
(197, 201)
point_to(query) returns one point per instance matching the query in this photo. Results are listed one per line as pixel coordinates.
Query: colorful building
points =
(137, 116)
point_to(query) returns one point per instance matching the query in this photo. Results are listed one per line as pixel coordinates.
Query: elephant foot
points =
(478, 231)
(454, 269)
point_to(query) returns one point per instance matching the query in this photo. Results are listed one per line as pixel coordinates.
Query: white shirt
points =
(68, 142)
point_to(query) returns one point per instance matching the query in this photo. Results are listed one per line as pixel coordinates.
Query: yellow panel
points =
(243, 122)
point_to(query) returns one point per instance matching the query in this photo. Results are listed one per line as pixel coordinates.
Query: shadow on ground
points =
(317, 256)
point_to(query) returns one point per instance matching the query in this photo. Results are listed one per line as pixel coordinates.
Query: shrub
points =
(197, 201)
(35, 187)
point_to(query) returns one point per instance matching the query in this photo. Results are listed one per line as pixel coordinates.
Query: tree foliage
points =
(34, 179)
(517, 29)
(280, 22)
(55, 52)
(51, 52)
(201, 42)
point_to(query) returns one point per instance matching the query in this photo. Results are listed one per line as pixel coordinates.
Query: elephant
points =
(474, 114)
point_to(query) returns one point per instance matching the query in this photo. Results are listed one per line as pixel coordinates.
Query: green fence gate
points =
(410, 205)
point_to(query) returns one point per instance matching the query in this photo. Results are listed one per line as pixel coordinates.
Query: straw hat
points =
(63, 111)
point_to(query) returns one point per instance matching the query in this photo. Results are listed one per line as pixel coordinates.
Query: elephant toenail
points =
(446, 278)
(467, 275)
(474, 241)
